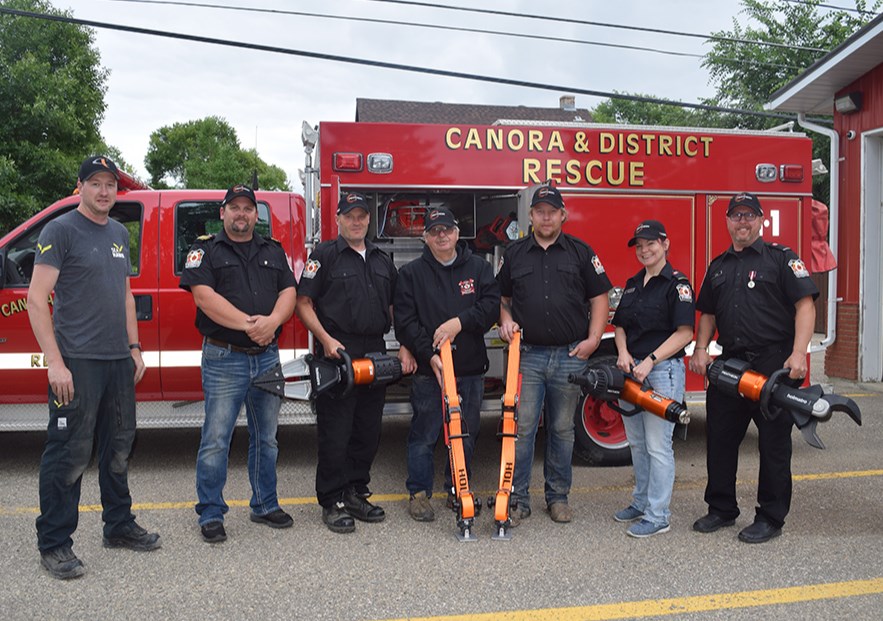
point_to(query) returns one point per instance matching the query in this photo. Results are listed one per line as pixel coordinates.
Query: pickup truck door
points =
(21, 361)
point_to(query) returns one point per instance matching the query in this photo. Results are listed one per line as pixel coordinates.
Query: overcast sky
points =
(159, 81)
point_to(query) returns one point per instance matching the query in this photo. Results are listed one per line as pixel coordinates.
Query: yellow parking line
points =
(678, 605)
(309, 500)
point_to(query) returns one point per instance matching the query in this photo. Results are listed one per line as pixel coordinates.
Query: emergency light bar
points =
(347, 162)
(791, 173)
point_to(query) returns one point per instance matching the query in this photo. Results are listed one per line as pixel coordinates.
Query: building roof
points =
(813, 90)
(394, 111)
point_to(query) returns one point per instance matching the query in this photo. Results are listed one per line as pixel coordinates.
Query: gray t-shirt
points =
(90, 296)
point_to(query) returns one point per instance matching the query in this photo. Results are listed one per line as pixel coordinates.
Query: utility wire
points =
(831, 6)
(571, 20)
(387, 65)
(450, 28)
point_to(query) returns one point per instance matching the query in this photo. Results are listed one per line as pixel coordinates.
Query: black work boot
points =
(337, 519)
(359, 507)
(62, 563)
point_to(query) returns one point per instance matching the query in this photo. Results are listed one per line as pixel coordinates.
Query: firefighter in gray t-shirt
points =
(90, 345)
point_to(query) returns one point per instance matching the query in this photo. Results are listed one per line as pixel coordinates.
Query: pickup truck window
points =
(196, 218)
(20, 253)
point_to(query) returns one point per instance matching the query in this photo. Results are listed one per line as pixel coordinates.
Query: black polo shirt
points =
(249, 275)
(352, 295)
(551, 288)
(651, 313)
(752, 295)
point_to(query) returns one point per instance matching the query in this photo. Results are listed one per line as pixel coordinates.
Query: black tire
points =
(599, 433)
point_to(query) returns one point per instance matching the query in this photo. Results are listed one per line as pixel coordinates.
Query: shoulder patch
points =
(799, 268)
(685, 293)
(205, 237)
(194, 258)
(596, 263)
(311, 269)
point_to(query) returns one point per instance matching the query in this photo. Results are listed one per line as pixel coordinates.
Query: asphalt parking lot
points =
(828, 564)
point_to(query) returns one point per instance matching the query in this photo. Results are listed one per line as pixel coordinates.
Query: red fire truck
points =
(612, 178)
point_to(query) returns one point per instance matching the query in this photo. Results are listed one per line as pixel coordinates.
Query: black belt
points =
(251, 351)
(751, 356)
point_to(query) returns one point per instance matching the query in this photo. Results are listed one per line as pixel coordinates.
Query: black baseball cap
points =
(240, 190)
(547, 194)
(649, 229)
(439, 217)
(745, 200)
(95, 164)
(350, 201)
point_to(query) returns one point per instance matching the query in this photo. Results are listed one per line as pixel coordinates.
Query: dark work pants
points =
(348, 439)
(727, 422)
(349, 430)
(103, 409)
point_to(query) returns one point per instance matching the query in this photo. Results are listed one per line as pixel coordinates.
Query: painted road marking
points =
(679, 605)
(309, 500)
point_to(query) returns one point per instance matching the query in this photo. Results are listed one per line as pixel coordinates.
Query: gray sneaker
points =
(62, 563)
(420, 509)
(629, 514)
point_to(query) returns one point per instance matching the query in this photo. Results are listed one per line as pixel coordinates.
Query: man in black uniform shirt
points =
(759, 298)
(549, 283)
(244, 291)
(345, 300)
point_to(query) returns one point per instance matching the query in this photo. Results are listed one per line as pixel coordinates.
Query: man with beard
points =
(244, 291)
(551, 283)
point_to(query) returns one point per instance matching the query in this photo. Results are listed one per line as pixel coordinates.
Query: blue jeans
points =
(544, 372)
(650, 443)
(103, 409)
(426, 426)
(226, 383)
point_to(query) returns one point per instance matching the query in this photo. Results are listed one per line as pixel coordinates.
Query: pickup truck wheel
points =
(600, 436)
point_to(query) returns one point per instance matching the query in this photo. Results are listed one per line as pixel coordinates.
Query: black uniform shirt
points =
(248, 275)
(650, 314)
(351, 295)
(551, 289)
(752, 295)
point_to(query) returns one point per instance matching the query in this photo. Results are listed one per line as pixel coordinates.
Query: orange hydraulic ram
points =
(455, 431)
(508, 434)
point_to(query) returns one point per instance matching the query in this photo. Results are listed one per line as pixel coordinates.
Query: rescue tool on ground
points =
(608, 383)
(465, 503)
(806, 406)
(336, 376)
(508, 434)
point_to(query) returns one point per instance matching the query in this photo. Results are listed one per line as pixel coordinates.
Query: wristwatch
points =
(135, 346)
(652, 357)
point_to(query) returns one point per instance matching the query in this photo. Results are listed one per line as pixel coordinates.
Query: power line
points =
(831, 6)
(387, 65)
(450, 28)
(571, 20)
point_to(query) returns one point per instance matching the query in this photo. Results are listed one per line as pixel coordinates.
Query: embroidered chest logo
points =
(467, 287)
(194, 258)
(117, 251)
(684, 293)
(797, 266)
(596, 263)
(311, 269)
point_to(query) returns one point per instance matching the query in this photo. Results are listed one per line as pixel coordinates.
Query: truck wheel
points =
(600, 436)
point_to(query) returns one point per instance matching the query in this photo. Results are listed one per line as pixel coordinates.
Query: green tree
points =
(206, 154)
(747, 74)
(51, 101)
